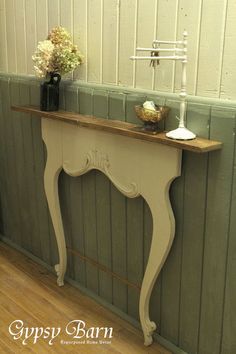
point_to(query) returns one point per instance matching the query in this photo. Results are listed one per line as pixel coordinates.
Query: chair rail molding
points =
(134, 164)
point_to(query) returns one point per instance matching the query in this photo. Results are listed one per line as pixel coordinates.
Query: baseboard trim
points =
(162, 341)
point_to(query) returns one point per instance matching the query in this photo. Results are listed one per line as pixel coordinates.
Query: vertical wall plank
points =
(53, 13)
(210, 47)
(30, 185)
(3, 203)
(29, 229)
(25, 225)
(227, 88)
(80, 35)
(34, 171)
(165, 71)
(104, 234)
(66, 21)
(216, 233)
(11, 36)
(118, 219)
(90, 233)
(66, 12)
(109, 41)
(13, 226)
(126, 42)
(3, 176)
(94, 41)
(77, 228)
(100, 103)
(71, 99)
(198, 117)
(42, 19)
(31, 34)
(3, 41)
(20, 37)
(119, 256)
(117, 105)
(85, 99)
(229, 324)
(146, 20)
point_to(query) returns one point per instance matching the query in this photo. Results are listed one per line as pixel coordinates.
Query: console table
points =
(137, 163)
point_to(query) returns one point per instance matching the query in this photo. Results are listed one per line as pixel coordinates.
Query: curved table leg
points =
(51, 189)
(162, 238)
(52, 139)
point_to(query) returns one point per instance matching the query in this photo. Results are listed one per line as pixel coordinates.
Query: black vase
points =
(49, 93)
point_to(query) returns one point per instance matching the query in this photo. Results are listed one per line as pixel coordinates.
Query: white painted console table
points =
(137, 163)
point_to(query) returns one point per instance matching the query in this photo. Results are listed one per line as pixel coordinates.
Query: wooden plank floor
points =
(29, 292)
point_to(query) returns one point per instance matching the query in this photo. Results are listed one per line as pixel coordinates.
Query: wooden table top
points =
(199, 145)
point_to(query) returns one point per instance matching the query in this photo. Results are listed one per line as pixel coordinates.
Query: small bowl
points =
(150, 116)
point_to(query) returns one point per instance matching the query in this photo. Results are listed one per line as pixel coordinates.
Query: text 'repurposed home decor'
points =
(54, 57)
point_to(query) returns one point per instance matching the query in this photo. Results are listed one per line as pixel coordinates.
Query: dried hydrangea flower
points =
(42, 58)
(56, 54)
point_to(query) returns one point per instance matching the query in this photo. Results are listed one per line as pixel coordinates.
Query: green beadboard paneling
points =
(100, 103)
(85, 99)
(27, 191)
(219, 189)
(104, 245)
(77, 228)
(193, 298)
(3, 162)
(90, 229)
(71, 99)
(14, 221)
(119, 254)
(195, 178)
(228, 344)
(117, 105)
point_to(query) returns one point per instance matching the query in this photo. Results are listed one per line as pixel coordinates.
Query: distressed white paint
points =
(21, 36)
(3, 37)
(109, 40)
(166, 11)
(108, 30)
(94, 40)
(228, 74)
(127, 163)
(144, 38)
(126, 42)
(80, 35)
(10, 35)
(31, 32)
(211, 46)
